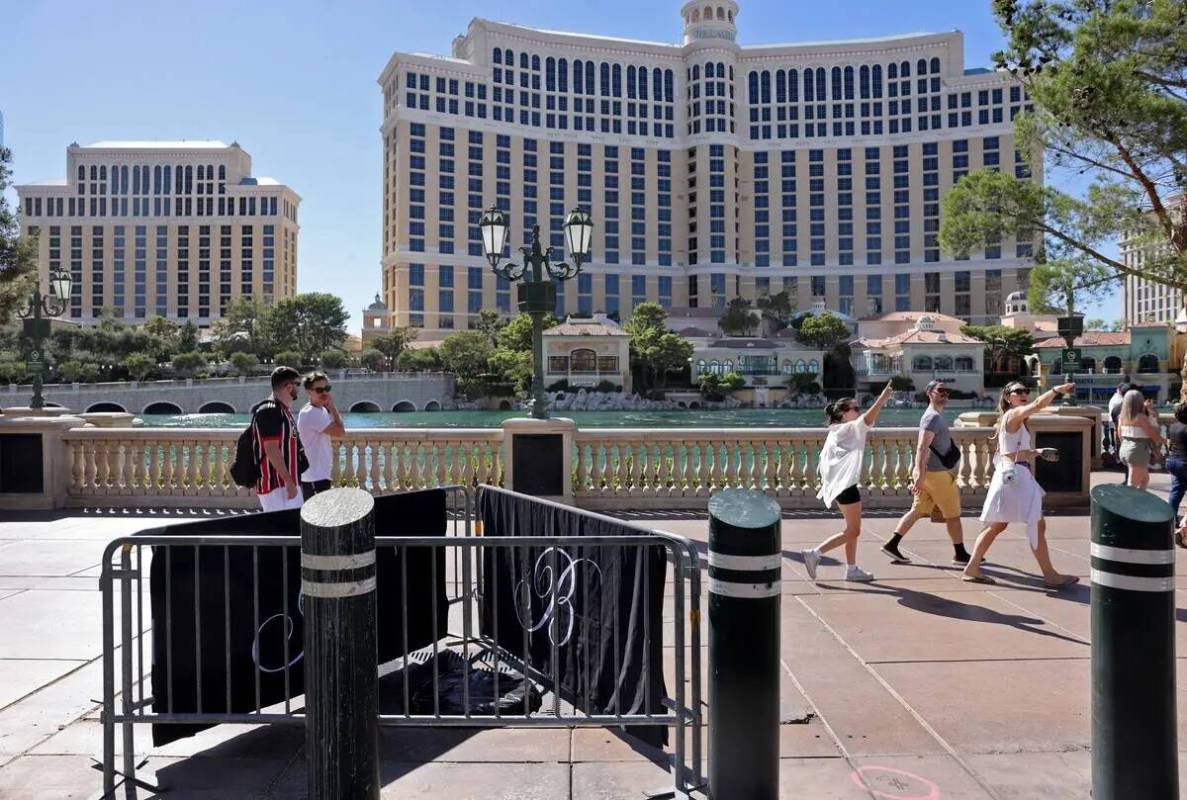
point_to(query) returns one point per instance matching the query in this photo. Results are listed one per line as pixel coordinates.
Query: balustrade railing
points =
(175, 467)
(612, 468)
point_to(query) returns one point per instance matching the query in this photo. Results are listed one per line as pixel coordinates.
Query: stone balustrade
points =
(612, 468)
(187, 467)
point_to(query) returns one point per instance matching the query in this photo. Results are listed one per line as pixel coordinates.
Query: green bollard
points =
(745, 564)
(1134, 728)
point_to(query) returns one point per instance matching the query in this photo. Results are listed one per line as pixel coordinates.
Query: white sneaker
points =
(811, 561)
(856, 573)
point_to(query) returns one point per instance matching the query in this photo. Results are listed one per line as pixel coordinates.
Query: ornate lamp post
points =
(540, 274)
(36, 327)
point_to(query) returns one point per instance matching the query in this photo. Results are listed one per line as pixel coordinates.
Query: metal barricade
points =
(127, 562)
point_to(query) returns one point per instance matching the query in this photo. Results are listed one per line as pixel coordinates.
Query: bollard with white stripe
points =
(341, 670)
(744, 587)
(1134, 729)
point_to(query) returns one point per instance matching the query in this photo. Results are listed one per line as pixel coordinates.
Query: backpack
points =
(245, 469)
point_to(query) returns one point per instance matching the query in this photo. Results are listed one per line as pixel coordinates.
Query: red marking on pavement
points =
(870, 778)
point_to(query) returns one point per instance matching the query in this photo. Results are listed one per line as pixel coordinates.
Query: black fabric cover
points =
(178, 586)
(607, 600)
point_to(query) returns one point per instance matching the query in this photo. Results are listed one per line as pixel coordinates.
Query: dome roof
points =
(378, 305)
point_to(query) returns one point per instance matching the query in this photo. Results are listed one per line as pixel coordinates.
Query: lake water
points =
(738, 418)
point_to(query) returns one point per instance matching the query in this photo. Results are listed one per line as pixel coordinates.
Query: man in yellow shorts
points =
(932, 481)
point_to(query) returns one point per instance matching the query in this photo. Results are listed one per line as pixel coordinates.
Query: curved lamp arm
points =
(508, 271)
(560, 271)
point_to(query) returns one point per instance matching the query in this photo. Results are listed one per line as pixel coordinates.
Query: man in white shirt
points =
(1115, 413)
(317, 424)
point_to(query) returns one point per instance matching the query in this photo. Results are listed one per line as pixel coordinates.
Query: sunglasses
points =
(943, 392)
(1020, 391)
(323, 389)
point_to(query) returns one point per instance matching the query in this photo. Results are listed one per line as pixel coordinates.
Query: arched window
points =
(696, 15)
(509, 57)
(657, 84)
(124, 179)
(1148, 363)
(536, 63)
(696, 72)
(178, 179)
(721, 13)
(701, 367)
(82, 173)
(848, 83)
(921, 67)
(523, 60)
(642, 83)
(617, 81)
(780, 86)
(631, 82)
(836, 81)
(820, 92)
(589, 77)
(550, 74)
(793, 86)
(801, 366)
(921, 364)
(809, 92)
(904, 69)
(943, 363)
(892, 72)
(1113, 365)
(135, 179)
(498, 55)
(730, 16)
(222, 172)
(863, 78)
(577, 77)
(167, 175)
(814, 367)
(562, 73)
(752, 82)
(605, 74)
(103, 172)
(727, 366)
(935, 65)
(669, 86)
(156, 179)
(583, 360)
(1087, 365)
(964, 364)
(877, 78)
(788, 367)
(714, 367)
(708, 13)
(765, 85)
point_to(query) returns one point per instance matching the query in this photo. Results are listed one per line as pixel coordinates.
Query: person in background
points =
(1176, 459)
(1115, 412)
(318, 423)
(932, 483)
(1151, 409)
(1139, 437)
(840, 470)
(1014, 494)
(278, 445)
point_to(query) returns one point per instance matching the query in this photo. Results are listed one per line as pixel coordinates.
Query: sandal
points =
(1068, 580)
(985, 579)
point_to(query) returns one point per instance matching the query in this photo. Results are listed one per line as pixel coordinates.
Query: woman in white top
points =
(840, 471)
(1139, 438)
(1014, 494)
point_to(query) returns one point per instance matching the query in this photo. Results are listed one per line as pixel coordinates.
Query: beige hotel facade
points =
(711, 170)
(163, 229)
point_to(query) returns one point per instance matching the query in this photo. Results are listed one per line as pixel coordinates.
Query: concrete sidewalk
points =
(916, 686)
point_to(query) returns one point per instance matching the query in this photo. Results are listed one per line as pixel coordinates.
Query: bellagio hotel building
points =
(711, 170)
(163, 229)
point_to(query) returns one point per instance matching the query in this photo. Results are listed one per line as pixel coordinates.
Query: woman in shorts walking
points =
(840, 470)
(1139, 438)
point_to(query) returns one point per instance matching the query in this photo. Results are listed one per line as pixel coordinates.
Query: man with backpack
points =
(932, 480)
(276, 445)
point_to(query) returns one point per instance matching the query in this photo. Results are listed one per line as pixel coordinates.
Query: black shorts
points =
(849, 496)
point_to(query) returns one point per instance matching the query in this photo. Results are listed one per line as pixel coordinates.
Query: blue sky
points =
(294, 83)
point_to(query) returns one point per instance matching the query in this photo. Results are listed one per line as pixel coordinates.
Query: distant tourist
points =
(317, 423)
(1176, 459)
(278, 445)
(840, 470)
(1014, 494)
(932, 480)
(1139, 437)
(1115, 413)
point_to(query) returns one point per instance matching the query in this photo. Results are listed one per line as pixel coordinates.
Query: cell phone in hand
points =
(1049, 454)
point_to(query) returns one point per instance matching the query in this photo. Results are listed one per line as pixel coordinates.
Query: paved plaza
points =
(917, 686)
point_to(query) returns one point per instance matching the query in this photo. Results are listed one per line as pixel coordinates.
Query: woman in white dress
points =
(1014, 494)
(840, 471)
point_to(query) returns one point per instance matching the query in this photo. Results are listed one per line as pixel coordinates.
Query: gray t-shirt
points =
(934, 422)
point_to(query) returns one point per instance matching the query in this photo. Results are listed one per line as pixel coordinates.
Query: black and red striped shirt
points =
(271, 421)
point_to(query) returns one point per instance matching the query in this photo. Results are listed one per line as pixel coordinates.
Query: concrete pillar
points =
(34, 463)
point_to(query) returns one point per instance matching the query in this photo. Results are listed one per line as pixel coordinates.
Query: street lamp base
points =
(538, 406)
